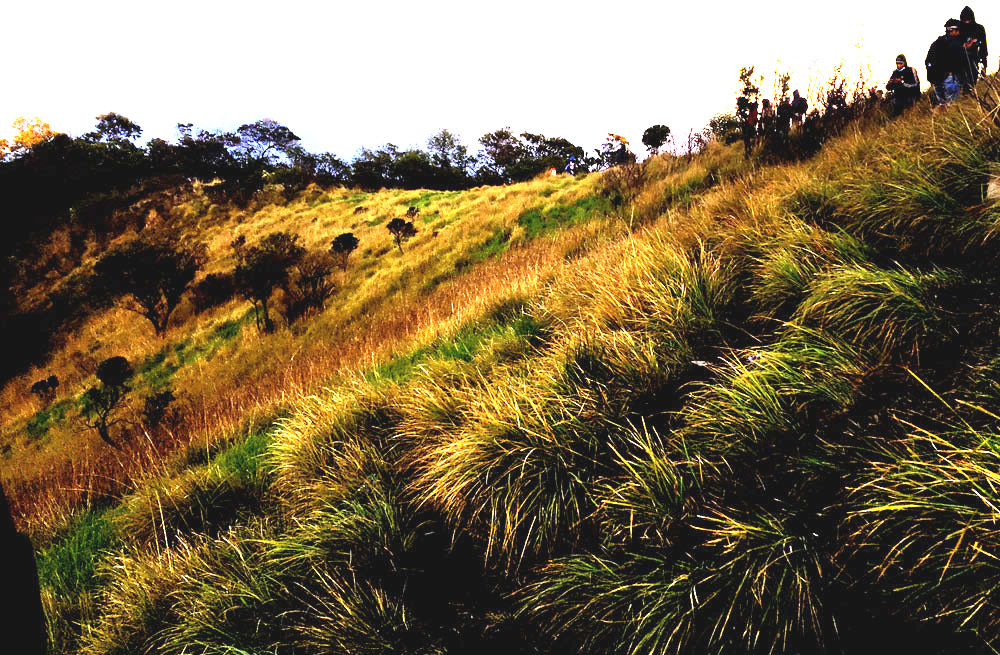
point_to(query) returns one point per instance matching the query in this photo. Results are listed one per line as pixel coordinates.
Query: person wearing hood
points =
(974, 40)
(947, 64)
(904, 84)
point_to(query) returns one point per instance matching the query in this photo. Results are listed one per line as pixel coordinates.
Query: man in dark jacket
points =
(947, 63)
(904, 84)
(974, 39)
(800, 106)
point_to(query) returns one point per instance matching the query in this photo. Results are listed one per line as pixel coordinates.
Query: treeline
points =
(87, 180)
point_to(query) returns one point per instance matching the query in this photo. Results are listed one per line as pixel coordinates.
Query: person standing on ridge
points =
(570, 166)
(904, 83)
(946, 60)
(799, 107)
(766, 117)
(974, 38)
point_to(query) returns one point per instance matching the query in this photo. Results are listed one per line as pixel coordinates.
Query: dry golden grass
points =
(387, 301)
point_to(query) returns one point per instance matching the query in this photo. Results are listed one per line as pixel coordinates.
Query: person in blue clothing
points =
(570, 166)
(904, 84)
(947, 63)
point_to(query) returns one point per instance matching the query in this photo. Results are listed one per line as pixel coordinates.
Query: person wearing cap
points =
(946, 62)
(974, 39)
(904, 84)
(570, 166)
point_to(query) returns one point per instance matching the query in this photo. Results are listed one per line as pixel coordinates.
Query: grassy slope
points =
(762, 423)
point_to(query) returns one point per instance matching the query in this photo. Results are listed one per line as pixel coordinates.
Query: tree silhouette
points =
(342, 247)
(654, 137)
(401, 230)
(154, 274)
(265, 267)
(99, 404)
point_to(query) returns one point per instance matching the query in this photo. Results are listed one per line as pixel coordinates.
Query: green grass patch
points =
(68, 567)
(157, 369)
(245, 459)
(538, 221)
(378, 220)
(497, 244)
(355, 198)
(322, 200)
(505, 322)
(39, 424)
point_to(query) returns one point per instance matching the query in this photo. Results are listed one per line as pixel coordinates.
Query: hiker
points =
(904, 85)
(766, 117)
(974, 39)
(799, 107)
(946, 60)
(783, 125)
(570, 166)
(749, 129)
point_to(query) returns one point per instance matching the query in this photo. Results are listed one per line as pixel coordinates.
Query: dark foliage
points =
(153, 273)
(401, 231)
(342, 247)
(309, 284)
(213, 290)
(654, 137)
(154, 407)
(265, 267)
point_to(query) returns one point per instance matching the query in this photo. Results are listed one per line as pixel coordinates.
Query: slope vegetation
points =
(763, 420)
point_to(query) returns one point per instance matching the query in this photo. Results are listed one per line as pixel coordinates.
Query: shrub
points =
(309, 285)
(154, 408)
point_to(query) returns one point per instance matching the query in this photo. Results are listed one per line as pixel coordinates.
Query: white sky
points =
(343, 75)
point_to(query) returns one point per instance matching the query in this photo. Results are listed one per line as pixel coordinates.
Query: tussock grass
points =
(891, 311)
(924, 514)
(769, 397)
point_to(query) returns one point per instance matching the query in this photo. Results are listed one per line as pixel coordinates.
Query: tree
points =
(401, 231)
(28, 133)
(264, 140)
(265, 267)
(372, 169)
(113, 128)
(154, 274)
(99, 404)
(451, 159)
(342, 247)
(501, 153)
(654, 137)
(309, 284)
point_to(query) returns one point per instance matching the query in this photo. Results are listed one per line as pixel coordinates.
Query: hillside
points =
(755, 411)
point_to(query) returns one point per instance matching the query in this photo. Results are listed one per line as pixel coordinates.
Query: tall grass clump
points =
(892, 311)
(331, 444)
(773, 396)
(755, 585)
(924, 514)
(516, 470)
(789, 263)
(922, 186)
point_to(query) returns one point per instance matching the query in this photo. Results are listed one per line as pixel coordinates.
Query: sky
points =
(346, 75)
